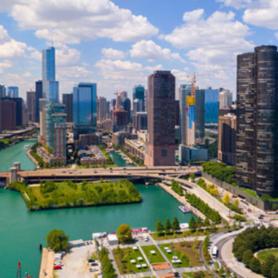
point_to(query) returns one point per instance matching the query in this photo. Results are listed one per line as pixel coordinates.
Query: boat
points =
(184, 209)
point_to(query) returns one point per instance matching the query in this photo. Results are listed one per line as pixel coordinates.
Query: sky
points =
(118, 43)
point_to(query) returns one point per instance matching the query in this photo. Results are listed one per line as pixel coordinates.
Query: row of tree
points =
(253, 240)
(168, 228)
(220, 171)
(206, 210)
(177, 188)
(107, 268)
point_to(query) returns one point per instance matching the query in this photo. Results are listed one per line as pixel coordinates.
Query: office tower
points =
(141, 121)
(2, 91)
(184, 91)
(49, 84)
(68, 102)
(103, 109)
(120, 119)
(31, 106)
(19, 111)
(13, 92)
(211, 106)
(227, 138)
(42, 107)
(55, 114)
(138, 99)
(126, 104)
(225, 100)
(7, 114)
(84, 108)
(39, 95)
(161, 119)
(192, 122)
(177, 112)
(257, 126)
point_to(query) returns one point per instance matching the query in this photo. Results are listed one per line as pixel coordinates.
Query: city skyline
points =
(106, 54)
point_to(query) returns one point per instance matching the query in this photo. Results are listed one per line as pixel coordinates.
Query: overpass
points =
(60, 174)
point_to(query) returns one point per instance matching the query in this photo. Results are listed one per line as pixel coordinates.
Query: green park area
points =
(153, 254)
(183, 254)
(130, 260)
(200, 274)
(69, 194)
(264, 254)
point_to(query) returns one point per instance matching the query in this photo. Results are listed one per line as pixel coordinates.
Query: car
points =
(57, 267)
(94, 264)
(91, 260)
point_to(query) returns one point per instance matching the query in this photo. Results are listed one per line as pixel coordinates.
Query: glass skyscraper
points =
(50, 85)
(85, 108)
(211, 106)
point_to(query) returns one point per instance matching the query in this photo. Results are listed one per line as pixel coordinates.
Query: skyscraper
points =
(227, 138)
(68, 102)
(39, 95)
(31, 106)
(85, 108)
(103, 107)
(138, 99)
(2, 91)
(211, 106)
(7, 114)
(225, 99)
(257, 124)
(161, 119)
(49, 84)
(13, 92)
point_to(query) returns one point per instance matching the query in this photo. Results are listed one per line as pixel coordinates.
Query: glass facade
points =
(211, 106)
(85, 108)
(50, 85)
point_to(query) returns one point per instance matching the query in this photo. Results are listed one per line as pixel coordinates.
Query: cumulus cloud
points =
(237, 3)
(70, 21)
(264, 14)
(111, 53)
(150, 50)
(212, 43)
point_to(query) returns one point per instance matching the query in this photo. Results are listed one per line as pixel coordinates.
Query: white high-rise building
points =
(225, 99)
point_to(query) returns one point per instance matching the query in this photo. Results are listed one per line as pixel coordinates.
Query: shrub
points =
(57, 241)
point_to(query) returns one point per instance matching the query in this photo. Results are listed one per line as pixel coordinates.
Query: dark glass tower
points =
(257, 124)
(161, 119)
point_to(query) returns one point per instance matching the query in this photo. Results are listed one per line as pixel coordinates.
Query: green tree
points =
(267, 265)
(124, 233)
(274, 271)
(159, 228)
(176, 224)
(57, 241)
(247, 257)
(255, 265)
(192, 224)
(168, 226)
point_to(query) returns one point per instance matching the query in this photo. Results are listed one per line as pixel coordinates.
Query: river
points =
(22, 231)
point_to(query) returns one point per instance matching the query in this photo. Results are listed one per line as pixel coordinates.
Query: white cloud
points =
(111, 53)
(67, 56)
(150, 50)
(211, 44)
(70, 21)
(264, 14)
(237, 3)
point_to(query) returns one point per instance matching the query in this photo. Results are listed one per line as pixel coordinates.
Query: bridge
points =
(60, 174)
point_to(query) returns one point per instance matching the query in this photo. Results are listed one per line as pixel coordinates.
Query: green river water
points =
(22, 231)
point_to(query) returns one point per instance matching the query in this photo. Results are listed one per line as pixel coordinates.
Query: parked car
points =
(57, 267)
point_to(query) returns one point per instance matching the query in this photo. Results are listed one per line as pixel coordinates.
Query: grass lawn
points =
(123, 257)
(191, 249)
(263, 254)
(70, 194)
(188, 233)
(250, 192)
(153, 258)
(200, 274)
(175, 252)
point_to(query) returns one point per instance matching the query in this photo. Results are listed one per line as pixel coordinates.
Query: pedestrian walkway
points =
(47, 263)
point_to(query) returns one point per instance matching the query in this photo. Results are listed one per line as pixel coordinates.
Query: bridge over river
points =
(95, 173)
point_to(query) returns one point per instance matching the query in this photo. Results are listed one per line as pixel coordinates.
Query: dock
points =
(47, 263)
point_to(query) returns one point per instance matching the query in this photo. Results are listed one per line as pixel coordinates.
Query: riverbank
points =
(47, 262)
(181, 199)
(67, 194)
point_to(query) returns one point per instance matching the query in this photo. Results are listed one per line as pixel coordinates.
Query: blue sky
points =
(118, 43)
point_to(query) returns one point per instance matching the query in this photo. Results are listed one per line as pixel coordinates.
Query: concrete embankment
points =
(32, 158)
(47, 263)
(181, 199)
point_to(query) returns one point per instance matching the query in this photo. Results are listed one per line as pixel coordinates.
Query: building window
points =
(164, 152)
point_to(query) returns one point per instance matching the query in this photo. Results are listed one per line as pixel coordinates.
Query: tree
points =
(255, 265)
(192, 224)
(226, 199)
(267, 265)
(168, 226)
(159, 228)
(57, 241)
(274, 271)
(124, 233)
(176, 224)
(247, 257)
